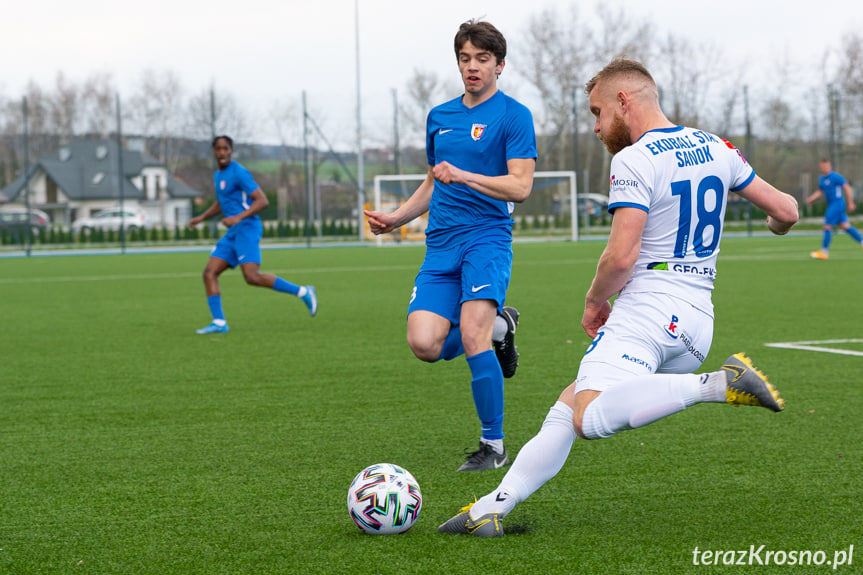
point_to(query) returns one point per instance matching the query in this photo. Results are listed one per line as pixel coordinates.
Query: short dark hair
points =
(223, 137)
(482, 35)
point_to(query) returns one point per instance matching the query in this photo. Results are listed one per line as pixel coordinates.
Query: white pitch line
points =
(197, 274)
(817, 346)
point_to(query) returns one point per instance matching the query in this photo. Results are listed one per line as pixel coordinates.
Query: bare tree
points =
(287, 122)
(849, 79)
(424, 90)
(63, 107)
(42, 140)
(557, 56)
(621, 34)
(156, 110)
(212, 110)
(98, 102)
(10, 123)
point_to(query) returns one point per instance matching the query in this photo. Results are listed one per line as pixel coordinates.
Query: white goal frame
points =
(570, 175)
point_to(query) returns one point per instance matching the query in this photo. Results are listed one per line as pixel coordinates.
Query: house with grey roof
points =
(82, 178)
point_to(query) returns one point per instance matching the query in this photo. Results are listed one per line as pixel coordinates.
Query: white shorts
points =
(646, 333)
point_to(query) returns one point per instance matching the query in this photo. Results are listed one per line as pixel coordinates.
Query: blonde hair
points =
(621, 67)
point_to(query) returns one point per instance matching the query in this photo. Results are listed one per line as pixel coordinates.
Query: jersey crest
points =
(477, 130)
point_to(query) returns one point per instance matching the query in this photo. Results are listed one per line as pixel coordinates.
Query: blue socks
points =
(286, 286)
(487, 387)
(215, 304)
(828, 236)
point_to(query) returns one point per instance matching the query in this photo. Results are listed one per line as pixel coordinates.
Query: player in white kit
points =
(668, 191)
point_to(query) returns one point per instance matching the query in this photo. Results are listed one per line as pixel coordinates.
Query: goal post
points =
(552, 209)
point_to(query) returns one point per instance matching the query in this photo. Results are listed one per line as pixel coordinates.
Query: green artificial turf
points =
(128, 444)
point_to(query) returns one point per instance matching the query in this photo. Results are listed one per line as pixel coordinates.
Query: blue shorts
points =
(476, 268)
(240, 245)
(835, 214)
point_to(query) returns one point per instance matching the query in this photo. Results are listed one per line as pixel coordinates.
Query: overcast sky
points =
(263, 51)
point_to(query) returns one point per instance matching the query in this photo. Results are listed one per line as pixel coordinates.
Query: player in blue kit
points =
(481, 150)
(239, 200)
(831, 185)
(668, 192)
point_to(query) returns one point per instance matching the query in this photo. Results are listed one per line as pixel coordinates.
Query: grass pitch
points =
(128, 444)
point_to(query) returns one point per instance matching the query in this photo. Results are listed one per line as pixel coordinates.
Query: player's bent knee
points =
(580, 401)
(429, 354)
(425, 349)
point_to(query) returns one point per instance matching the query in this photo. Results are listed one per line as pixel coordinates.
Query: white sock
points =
(302, 291)
(538, 461)
(639, 402)
(496, 444)
(713, 387)
(500, 329)
(220, 322)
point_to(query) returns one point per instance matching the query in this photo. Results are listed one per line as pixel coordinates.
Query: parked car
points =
(111, 219)
(15, 220)
(592, 204)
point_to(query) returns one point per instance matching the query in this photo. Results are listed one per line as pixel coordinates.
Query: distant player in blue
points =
(481, 150)
(831, 185)
(239, 199)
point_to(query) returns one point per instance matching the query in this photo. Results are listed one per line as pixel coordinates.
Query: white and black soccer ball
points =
(384, 499)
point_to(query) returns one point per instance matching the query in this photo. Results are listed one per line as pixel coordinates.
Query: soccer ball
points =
(384, 499)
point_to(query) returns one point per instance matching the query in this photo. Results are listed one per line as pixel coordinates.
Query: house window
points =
(157, 189)
(65, 154)
(101, 152)
(97, 179)
(50, 191)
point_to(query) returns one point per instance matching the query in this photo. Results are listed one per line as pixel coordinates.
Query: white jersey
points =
(681, 177)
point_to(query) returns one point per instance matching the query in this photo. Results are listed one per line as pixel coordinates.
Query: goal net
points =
(552, 210)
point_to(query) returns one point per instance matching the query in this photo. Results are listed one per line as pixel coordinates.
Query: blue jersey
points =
(479, 140)
(234, 185)
(831, 185)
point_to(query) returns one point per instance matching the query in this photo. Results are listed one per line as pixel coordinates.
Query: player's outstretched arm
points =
(814, 196)
(515, 186)
(781, 208)
(214, 210)
(417, 204)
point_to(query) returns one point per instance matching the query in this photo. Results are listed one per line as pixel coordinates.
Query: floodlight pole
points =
(308, 170)
(29, 232)
(213, 223)
(747, 151)
(575, 131)
(360, 174)
(832, 101)
(574, 208)
(120, 176)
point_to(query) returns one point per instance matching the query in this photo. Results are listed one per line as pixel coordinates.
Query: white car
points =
(111, 219)
(592, 204)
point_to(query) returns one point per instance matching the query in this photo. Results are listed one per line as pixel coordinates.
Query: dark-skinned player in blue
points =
(239, 199)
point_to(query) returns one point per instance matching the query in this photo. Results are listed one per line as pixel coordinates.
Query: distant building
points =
(81, 179)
